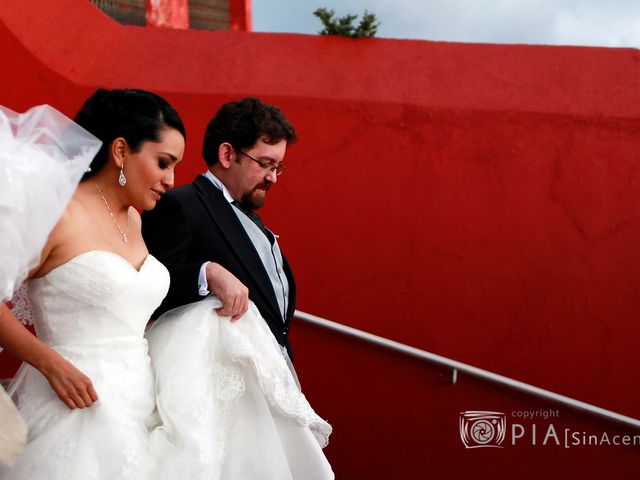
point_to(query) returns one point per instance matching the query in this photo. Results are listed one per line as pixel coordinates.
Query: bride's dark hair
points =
(135, 115)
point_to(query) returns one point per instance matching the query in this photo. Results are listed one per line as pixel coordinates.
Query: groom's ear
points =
(118, 151)
(226, 155)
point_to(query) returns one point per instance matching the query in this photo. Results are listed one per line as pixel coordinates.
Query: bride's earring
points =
(122, 180)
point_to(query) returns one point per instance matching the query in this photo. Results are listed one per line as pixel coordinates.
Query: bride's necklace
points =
(123, 233)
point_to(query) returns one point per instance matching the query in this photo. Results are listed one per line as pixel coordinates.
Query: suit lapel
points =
(221, 213)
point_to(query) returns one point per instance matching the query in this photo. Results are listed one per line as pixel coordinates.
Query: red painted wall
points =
(478, 201)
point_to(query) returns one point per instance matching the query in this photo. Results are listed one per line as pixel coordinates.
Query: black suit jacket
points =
(193, 224)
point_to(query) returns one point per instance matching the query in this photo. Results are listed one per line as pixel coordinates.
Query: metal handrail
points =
(469, 369)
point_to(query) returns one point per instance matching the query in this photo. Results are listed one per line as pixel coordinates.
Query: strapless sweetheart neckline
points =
(77, 257)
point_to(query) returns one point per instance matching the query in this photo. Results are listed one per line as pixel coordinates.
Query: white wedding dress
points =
(92, 310)
(228, 406)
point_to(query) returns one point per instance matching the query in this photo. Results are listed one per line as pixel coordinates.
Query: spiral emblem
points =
(482, 428)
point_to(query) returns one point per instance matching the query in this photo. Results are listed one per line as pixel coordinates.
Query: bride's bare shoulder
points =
(70, 228)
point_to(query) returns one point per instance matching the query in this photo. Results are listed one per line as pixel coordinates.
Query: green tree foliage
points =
(367, 27)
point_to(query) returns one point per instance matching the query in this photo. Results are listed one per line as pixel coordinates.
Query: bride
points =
(87, 390)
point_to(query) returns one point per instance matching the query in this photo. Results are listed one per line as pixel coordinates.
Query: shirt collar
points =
(218, 184)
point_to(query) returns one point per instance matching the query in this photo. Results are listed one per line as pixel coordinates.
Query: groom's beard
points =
(255, 198)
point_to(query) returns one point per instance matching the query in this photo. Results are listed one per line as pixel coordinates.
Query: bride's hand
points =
(72, 386)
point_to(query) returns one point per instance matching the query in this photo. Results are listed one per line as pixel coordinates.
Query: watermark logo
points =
(482, 429)
(479, 428)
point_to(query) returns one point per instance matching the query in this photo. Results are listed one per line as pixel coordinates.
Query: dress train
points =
(229, 404)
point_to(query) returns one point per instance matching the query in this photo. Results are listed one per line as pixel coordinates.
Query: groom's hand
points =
(231, 291)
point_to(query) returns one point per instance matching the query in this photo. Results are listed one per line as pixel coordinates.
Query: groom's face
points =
(252, 179)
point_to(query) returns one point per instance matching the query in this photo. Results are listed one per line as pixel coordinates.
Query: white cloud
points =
(568, 22)
(599, 25)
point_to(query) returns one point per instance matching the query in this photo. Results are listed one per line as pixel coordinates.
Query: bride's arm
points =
(72, 386)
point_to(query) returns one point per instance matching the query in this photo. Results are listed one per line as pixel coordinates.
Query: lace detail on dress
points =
(22, 308)
(231, 383)
(280, 388)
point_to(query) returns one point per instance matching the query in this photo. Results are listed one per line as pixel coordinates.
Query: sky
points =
(608, 23)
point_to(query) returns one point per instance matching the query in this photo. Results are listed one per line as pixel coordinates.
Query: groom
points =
(207, 233)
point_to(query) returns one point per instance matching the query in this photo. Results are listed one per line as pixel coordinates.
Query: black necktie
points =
(256, 219)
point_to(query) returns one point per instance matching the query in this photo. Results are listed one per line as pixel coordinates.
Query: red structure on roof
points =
(181, 14)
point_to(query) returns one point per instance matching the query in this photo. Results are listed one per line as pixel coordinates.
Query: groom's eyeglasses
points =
(277, 168)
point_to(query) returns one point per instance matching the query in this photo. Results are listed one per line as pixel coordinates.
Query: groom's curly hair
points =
(137, 116)
(241, 123)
